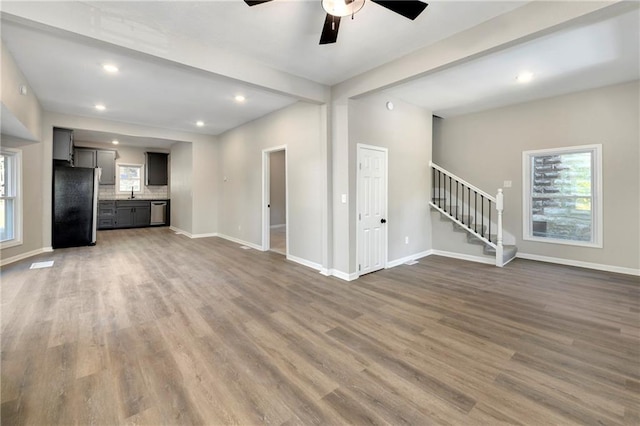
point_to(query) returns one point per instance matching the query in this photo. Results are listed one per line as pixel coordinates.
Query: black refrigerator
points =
(75, 206)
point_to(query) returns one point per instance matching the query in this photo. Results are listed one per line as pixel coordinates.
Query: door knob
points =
(383, 220)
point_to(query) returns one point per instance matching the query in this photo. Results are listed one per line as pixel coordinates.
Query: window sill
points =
(10, 243)
(587, 244)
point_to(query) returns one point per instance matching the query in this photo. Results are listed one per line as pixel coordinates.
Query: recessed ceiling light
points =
(199, 123)
(115, 142)
(110, 68)
(524, 77)
(100, 107)
(240, 98)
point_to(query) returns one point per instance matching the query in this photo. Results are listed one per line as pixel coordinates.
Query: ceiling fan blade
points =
(407, 8)
(256, 2)
(330, 29)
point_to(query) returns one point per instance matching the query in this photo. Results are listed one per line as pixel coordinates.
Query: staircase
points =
(471, 210)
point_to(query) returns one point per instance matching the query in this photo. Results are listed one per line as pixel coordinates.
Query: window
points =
(10, 197)
(562, 195)
(129, 177)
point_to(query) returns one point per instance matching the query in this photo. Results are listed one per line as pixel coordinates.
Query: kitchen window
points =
(129, 177)
(10, 197)
(563, 195)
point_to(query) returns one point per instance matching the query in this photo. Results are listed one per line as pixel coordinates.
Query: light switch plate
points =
(507, 184)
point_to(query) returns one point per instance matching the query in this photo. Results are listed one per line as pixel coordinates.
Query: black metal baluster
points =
(450, 197)
(469, 205)
(482, 214)
(457, 184)
(489, 220)
(438, 188)
(475, 210)
(433, 185)
(445, 192)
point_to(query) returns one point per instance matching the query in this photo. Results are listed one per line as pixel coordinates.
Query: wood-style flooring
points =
(149, 327)
(278, 239)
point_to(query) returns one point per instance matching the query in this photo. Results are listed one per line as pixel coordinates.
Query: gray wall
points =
(20, 113)
(486, 149)
(299, 127)
(31, 196)
(406, 132)
(205, 187)
(181, 186)
(277, 190)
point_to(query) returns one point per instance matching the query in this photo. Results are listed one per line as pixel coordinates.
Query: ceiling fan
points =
(337, 9)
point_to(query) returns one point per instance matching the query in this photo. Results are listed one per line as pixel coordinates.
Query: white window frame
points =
(17, 213)
(596, 195)
(118, 178)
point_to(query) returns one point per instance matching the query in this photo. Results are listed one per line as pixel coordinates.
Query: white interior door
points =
(372, 208)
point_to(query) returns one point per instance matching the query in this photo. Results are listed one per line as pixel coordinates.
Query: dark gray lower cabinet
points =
(132, 214)
(106, 214)
(114, 214)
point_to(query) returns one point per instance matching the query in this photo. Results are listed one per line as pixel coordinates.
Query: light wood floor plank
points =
(153, 328)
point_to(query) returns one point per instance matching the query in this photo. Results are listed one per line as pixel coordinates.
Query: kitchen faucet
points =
(132, 196)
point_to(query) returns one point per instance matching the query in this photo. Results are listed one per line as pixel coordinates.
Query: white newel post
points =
(499, 208)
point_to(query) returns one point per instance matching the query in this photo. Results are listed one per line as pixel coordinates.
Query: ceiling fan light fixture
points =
(342, 8)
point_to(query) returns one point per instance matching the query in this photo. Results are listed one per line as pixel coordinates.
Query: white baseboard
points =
(461, 256)
(305, 262)
(343, 275)
(211, 234)
(180, 231)
(190, 235)
(282, 225)
(580, 264)
(409, 258)
(239, 241)
(18, 257)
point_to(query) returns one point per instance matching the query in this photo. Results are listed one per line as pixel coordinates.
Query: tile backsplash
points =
(108, 192)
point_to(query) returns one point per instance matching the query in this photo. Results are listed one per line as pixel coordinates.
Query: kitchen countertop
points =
(135, 199)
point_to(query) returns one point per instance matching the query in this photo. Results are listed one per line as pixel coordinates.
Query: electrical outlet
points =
(344, 198)
(406, 240)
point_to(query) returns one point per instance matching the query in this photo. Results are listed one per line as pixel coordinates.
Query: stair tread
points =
(508, 250)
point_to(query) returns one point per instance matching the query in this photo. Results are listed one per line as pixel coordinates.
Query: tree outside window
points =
(562, 195)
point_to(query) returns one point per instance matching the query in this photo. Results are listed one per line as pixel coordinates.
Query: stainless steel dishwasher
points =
(158, 213)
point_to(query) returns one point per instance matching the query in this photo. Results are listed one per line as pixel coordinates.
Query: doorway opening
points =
(275, 201)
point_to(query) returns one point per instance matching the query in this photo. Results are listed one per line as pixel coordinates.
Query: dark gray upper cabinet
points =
(63, 144)
(106, 160)
(156, 168)
(83, 157)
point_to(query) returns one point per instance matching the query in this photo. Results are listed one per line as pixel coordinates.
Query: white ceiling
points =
(284, 34)
(577, 58)
(66, 74)
(64, 68)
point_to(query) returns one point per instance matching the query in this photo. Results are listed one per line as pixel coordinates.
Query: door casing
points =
(266, 189)
(359, 207)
